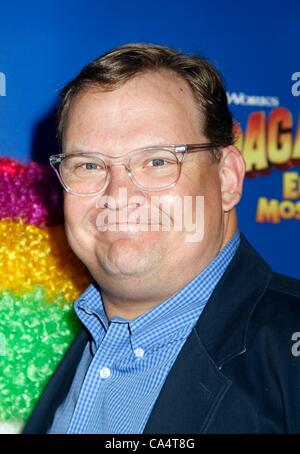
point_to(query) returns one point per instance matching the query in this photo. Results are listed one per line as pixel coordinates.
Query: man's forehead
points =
(150, 108)
(149, 86)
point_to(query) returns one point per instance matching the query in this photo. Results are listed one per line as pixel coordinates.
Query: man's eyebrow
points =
(77, 150)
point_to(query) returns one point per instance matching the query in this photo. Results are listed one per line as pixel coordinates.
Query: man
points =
(185, 329)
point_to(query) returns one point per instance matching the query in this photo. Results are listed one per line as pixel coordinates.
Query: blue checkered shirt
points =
(124, 366)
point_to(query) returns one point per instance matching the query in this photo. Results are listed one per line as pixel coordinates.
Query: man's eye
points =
(87, 168)
(90, 166)
(157, 162)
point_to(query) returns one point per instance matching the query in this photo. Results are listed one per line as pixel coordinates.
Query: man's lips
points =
(128, 222)
(129, 227)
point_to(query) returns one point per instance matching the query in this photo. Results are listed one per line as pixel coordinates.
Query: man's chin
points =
(128, 257)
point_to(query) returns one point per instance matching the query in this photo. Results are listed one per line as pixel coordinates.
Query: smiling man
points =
(185, 328)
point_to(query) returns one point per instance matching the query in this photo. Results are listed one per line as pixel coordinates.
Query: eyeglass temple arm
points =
(203, 146)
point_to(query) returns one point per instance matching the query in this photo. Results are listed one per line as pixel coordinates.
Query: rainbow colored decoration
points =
(40, 278)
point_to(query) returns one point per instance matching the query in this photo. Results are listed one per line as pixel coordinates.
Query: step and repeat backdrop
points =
(42, 46)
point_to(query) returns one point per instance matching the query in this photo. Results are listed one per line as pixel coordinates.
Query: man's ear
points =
(232, 173)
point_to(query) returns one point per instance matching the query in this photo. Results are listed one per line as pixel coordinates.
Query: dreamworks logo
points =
(242, 99)
(2, 84)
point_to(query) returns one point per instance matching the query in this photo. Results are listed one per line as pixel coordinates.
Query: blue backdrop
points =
(254, 44)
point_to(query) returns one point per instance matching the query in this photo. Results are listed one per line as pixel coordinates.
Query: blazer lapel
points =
(190, 394)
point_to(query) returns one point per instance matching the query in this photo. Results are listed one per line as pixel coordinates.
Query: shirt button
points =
(88, 311)
(139, 352)
(105, 372)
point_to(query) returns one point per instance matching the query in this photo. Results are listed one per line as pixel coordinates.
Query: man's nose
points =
(121, 192)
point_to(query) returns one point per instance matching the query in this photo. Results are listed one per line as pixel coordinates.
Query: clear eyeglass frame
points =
(179, 152)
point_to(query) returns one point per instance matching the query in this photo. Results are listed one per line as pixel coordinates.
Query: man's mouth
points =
(138, 220)
(128, 227)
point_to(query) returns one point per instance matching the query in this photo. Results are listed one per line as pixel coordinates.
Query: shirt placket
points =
(99, 377)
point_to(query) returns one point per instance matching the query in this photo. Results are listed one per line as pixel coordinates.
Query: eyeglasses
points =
(152, 168)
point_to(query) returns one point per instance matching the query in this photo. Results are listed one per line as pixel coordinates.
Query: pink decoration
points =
(29, 192)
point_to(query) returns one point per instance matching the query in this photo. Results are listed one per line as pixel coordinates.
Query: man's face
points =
(155, 108)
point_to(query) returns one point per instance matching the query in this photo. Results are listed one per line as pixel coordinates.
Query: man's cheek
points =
(74, 235)
(73, 211)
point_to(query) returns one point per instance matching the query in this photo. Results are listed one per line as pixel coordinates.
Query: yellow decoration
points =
(31, 256)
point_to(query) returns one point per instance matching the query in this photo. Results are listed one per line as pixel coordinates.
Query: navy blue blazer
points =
(238, 371)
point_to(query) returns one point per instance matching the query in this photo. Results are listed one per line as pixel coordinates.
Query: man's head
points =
(141, 96)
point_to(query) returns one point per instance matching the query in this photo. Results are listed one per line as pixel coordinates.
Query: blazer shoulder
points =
(279, 307)
(285, 285)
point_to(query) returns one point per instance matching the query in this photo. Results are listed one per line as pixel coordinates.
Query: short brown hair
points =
(120, 64)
